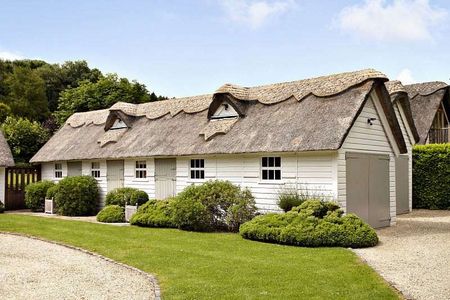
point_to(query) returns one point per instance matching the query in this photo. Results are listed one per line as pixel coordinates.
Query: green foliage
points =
(5, 111)
(51, 192)
(214, 205)
(35, 194)
(77, 196)
(2, 207)
(24, 137)
(314, 223)
(26, 94)
(431, 176)
(111, 214)
(155, 213)
(292, 197)
(121, 196)
(101, 94)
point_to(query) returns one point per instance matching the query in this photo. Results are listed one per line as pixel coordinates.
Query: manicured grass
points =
(192, 265)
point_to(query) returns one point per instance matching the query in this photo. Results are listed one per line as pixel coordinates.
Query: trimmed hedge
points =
(155, 213)
(213, 205)
(431, 176)
(35, 194)
(121, 196)
(77, 196)
(111, 214)
(314, 223)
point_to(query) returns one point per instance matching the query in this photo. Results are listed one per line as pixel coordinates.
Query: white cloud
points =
(406, 77)
(6, 55)
(404, 20)
(255, 13)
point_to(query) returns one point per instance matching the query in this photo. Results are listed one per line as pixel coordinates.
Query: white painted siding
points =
(409, 140)
(48, 171)
(2, 185)
(86, 170)
(145, 184)
(313, 171)
(366, 138)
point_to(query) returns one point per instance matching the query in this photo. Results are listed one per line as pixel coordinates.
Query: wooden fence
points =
(16, 179)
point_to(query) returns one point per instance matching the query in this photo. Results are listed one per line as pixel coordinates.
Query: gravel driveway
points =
(34, 269)
(414, 255)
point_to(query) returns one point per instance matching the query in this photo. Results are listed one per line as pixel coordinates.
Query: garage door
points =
(402, 183)
(165, 177)
(74, 168)
(114, 174)
(368, 187)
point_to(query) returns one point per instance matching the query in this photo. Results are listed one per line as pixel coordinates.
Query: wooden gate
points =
(16, 179)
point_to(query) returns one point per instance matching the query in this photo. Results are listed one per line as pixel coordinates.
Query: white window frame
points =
(197, 168)
(58, 170)
(272, 168)
(95, 169)
(140, 172)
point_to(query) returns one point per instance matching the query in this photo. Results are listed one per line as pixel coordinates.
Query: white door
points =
(114, 174)
(165, 177)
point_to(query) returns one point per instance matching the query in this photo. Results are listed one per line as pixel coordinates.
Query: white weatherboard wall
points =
(145, 184)
(366, 138)
(2, 185)
(409, 140)
(312, 171)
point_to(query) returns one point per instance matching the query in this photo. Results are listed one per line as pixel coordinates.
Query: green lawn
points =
(193, 265)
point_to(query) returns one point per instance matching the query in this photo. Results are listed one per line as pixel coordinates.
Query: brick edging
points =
(150, 277)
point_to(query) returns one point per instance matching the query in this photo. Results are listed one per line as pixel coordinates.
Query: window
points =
(95, 169)
(58, 170)
(141, 169)
(197, 169)
(271, 168)
(118, 124)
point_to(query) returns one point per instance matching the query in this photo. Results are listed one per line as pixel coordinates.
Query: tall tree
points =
(26, 94)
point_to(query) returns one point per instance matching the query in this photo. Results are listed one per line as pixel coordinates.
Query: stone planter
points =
(130, 210)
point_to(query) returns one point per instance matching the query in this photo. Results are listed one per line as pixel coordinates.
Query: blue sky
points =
(182, 48)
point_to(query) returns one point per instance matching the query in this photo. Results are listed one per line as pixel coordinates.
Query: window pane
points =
(271, 175)
(277, 161)
(192, 163)
(192, 174)
(264, 161)
(144, 174)
(202, 174)
(202, 163)
(197, 174)
(270, 161)
(278, 174)
(264, 174)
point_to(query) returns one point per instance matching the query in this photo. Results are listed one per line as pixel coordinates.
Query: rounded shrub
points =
(138, 197)
(35, 194)
(289, 198)
(51, 192)
(314, 223)
(121, 196)
(213, 205)
(111, 214)
(155, 213)
(77, 196)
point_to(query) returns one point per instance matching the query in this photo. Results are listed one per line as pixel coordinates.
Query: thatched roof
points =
(305, 115)
(399, 94)
(6, 158)
(425, 99)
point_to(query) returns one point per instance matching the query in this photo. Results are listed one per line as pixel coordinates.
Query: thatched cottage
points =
(430, 106)
(6, 160)
(335, 135)
(403, 162)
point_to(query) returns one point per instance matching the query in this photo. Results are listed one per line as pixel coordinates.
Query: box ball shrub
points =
(35, 194)
(431, 176)
(77, 196)
(111, 214)
(51, 192)
(155, 213)
(121, 196)
(213, 205)
(314, 223)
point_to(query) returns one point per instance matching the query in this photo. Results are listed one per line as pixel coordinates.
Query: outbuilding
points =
(336, 136)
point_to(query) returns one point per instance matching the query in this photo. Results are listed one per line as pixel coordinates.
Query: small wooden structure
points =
(130, 210)
(49, 207)
(16, 179)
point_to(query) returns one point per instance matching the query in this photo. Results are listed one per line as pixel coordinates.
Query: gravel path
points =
(414, 255)
(34, 269)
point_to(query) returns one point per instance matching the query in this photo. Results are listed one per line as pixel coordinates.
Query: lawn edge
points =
(152, 278)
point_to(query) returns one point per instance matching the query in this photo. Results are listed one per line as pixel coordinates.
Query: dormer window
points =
(118, 124)
(225, 110)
